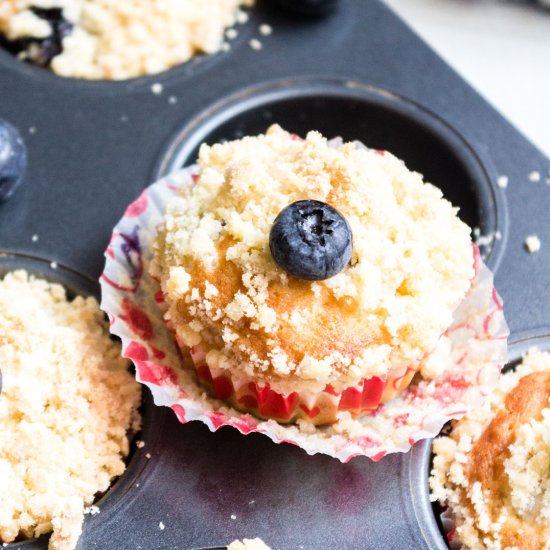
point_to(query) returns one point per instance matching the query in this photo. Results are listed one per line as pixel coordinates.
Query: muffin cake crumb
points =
(534, 176)
(67, 404)
(157, 88)
(255, 44)
(248, 544)
(502, 182)
(265, 29)
(532, 244)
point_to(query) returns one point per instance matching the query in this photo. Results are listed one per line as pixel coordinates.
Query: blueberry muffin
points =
(493, 470)
(307, 277)
(67, 405)
(115, 40)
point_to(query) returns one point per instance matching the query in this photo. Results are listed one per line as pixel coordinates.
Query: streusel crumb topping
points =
(66, 405)
(411, 265)
(114, 39)
(493, 470)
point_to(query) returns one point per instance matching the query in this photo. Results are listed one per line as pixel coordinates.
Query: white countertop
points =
(502, 48)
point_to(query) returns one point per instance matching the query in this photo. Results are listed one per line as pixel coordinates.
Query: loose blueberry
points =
(311, 240)
(13, 159)
(309, 7)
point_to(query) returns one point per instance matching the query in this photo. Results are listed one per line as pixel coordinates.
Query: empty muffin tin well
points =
(122, 488)
(416, 470)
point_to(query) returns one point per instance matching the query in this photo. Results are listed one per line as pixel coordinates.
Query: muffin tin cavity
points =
(417, 466)
(124, 488)
(354, 111)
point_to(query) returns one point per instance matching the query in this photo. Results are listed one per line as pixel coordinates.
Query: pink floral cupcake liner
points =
(320, 408)
(473, 351)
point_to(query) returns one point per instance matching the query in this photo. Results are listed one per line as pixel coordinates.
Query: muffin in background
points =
(493, 470)
(104, 39)
(67, 405)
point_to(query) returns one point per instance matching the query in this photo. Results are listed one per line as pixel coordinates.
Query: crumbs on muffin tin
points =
(248, 544)
(411, 265)
(67, 404)
(104, 39)
(512, 508)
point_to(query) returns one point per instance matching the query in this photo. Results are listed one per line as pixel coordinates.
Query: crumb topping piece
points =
(248, 544)
(493, 470)
(67, 404)
(119, 40)
(411, 263)
(532, 244)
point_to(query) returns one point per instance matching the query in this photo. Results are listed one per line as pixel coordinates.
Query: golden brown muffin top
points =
(494, 468)
(67, 404)
(411, 263)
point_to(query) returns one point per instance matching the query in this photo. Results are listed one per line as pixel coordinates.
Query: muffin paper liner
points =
(246, 395)
(472, 351)
(449, 528)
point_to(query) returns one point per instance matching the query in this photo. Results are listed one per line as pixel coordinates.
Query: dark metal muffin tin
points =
(360, 73)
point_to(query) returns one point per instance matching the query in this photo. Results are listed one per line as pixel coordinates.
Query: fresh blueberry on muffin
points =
(310, 240)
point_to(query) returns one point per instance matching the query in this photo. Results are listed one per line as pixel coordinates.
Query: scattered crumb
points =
(484, 240)
(140, 444)
(92, 510)
(248, 544)
(148, 455)
(34, 238)
(157, 88)
(233, 516)
(532, 244)
(124, 118)
(53, 265)
(534, 176)
(231, 34)
(162, 526)
(255, 44)
(265, 29)
(137, 484)
(172, 100)
(32, 130)
(502, 182)
(225, 47)
(242, 17)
